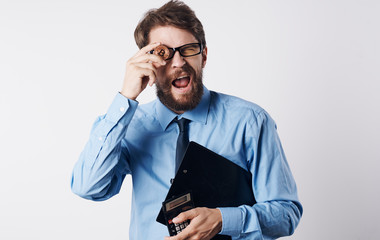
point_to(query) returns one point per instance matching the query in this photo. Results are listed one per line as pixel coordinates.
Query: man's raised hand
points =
(141, 70)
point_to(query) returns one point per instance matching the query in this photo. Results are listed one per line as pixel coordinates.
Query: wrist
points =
(219, 222)
(128, 95)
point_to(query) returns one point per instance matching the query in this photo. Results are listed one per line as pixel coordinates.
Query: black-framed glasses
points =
(187, 50)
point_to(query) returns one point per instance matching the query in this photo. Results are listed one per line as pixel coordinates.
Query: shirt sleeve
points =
(101, 168)
(278, 210)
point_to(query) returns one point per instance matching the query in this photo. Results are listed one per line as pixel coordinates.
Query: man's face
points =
(179, 82)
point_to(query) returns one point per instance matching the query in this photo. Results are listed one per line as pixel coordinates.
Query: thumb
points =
(183, 216)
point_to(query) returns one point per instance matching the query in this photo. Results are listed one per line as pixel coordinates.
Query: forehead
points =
(171, 36)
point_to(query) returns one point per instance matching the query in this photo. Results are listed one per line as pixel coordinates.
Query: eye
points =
(190, 50)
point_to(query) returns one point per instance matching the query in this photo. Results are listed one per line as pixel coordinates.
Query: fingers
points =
(146, 64)
(148, 58)
(141, 70)
(148, 76)
(147, 48)
(146, 68)
(188, 215)
(205, 224)
(184, 235)
(142, 56)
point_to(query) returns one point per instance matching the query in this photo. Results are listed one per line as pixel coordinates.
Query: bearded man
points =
(140, 139)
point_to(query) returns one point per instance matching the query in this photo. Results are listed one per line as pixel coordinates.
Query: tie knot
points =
(182, 123)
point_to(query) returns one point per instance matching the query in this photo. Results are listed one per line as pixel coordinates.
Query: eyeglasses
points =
(186, 50)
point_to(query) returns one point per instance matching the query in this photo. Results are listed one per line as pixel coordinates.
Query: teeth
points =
(182, 77)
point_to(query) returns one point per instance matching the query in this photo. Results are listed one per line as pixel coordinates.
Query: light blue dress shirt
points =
(141, 140)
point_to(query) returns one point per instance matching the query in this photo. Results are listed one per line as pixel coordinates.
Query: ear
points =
(204, 57)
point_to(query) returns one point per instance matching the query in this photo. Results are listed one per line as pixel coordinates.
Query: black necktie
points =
(182, 141)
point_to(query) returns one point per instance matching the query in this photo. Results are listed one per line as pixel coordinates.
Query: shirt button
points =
(100, 138)
(122, 109)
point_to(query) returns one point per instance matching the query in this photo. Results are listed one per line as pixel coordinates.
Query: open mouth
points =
(181, 82)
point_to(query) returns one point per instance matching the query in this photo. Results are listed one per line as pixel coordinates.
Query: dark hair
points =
(173, 13)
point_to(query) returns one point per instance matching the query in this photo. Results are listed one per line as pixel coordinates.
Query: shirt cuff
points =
(232, 218)
(119, 107)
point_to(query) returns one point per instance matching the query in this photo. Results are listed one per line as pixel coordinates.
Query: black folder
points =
(213, 180)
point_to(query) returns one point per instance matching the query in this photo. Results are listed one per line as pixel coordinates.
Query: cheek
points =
(196, 67)
(197, 64)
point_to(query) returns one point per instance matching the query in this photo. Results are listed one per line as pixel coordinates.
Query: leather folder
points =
(213, 180)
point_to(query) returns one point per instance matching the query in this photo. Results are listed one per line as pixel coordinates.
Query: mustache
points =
(186, 69)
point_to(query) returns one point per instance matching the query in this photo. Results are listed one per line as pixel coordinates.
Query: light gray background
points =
(312, 64)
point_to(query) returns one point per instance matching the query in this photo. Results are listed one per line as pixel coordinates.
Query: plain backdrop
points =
(312, 64)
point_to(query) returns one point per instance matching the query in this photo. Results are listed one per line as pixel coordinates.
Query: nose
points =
(177, 60)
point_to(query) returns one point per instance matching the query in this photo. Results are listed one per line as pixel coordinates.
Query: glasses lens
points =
(171, 53)
(190, 50)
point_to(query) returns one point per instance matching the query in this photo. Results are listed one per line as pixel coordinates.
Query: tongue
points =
(180, 83)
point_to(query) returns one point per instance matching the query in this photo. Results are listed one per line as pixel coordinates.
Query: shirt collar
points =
(198, 114)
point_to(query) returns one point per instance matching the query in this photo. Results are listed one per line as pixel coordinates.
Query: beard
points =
(187, 101)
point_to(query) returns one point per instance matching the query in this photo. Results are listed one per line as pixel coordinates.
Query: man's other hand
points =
(205, 223)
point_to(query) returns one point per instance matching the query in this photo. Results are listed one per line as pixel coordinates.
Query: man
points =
(141, 139)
